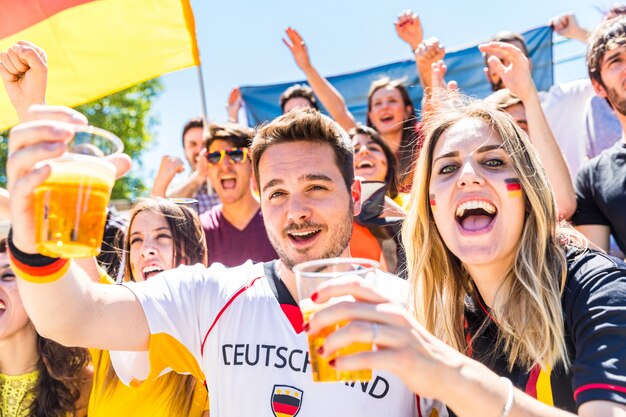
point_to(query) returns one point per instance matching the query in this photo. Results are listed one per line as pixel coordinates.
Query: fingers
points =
(38, 132)
(356, 287)
(496, 66)
(363, 332)
(57, 113)
(122, 163)
(235, 94)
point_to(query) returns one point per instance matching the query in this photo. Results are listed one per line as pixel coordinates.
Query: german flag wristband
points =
(35, 268)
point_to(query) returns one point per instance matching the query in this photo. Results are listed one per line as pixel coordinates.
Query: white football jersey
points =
(240, 330)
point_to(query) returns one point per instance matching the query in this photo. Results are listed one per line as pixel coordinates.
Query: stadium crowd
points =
(498, 222)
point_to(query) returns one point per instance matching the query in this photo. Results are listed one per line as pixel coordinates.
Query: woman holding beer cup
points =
(513, 314)
(161, 235)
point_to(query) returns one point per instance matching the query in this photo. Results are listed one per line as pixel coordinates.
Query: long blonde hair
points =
(527, 305)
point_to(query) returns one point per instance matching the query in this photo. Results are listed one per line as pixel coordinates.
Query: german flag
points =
(539, 385)
(286, 401)
(513, 187)
(98, 47)
(433, 203)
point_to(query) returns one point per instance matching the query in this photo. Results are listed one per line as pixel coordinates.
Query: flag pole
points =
(205, 115)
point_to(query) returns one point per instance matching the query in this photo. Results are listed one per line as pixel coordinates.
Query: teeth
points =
(367, 164)
(301, 234)
(3, 306)
(152, 268)
(475, 204)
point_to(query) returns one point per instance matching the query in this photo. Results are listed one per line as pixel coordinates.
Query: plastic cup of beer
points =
(309, 275)
(70, 206)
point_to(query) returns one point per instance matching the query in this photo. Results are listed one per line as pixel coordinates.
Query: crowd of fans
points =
(497, 214)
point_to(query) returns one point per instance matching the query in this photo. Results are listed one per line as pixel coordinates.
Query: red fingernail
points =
(314, 296)
(331, 363)
(305, 326)
(320, 350)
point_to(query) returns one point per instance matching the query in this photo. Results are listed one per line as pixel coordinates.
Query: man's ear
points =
(355, 191)
(599, 88)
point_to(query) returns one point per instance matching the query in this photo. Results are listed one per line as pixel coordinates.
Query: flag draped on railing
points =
(96, 48)
(465, 65)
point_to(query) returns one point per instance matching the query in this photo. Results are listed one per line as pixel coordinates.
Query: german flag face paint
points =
(433, 204)
(513, 187)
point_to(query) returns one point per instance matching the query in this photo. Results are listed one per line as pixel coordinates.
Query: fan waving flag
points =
(98, 47)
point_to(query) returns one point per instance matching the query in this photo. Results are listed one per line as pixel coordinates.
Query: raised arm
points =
(199, 177)
(233, 105)
(24, 72)
(61, 300)
(517, 78)
(567, 26)
(409, 29)
(170, 166)
(327, 94)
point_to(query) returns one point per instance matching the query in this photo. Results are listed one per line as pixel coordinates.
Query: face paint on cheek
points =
(433, 203)
(514, 187)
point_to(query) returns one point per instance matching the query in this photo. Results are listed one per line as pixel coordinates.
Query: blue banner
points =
(464, 65)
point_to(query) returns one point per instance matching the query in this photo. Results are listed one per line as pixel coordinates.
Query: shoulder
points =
(594, 275)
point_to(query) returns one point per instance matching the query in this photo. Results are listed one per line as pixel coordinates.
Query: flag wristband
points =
(35, 268)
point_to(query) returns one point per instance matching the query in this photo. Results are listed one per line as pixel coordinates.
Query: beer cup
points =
(308, 276)
(71, 205)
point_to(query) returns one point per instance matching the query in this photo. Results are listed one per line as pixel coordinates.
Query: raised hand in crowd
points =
(170, 166)
(24, 72)
(439, 90)
(513, 68)
(409, 28)
(325, 92)
(233, 105)
(567, 26)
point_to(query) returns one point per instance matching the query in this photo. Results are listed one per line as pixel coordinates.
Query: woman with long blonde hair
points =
(513, 314)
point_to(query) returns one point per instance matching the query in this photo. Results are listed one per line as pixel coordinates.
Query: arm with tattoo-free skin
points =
(327, 94)
(72, 310)
(406, 349)
(518, 78)
(199, 177)
(170, 166)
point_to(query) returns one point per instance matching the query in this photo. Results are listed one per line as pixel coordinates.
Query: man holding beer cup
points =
(238, 328)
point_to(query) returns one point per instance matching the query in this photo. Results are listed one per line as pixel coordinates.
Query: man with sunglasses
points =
(234, 229)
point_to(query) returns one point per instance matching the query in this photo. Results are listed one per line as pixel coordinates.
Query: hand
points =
(427, 53)
(567, 26)
(439, 70)
(202, 165)
(45, 135)
(440, 91)
(409, 28)
(404, 347)
(234, 104)
(170, 166)
(298, 49)
(512, 66)
(24, 72)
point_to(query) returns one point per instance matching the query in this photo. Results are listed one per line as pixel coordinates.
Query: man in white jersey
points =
(239, 329)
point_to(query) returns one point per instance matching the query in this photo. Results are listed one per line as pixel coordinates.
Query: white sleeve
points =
(171, 302)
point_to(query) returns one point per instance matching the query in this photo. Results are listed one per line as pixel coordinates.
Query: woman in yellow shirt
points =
(161, 236)
(38, 377)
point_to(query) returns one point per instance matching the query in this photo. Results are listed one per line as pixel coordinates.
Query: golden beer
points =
(322, 371)
(70, 206)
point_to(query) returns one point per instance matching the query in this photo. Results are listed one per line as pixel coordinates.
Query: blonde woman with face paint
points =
(533, 320)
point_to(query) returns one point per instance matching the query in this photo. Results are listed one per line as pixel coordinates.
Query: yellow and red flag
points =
(98, 47)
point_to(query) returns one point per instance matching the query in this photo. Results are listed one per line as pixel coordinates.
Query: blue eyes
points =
(492, 163)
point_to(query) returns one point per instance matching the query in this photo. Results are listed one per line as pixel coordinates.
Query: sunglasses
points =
(236, 156)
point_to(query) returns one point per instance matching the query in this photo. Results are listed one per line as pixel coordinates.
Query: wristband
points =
(510, 396)
(35, 268)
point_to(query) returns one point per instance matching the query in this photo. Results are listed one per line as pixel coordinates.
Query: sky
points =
(240, 44)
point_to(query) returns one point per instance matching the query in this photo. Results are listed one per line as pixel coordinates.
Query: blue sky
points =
(240, 44)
